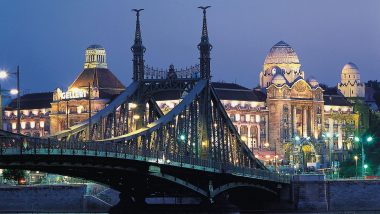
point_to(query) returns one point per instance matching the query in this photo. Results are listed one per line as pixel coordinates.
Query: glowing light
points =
(369, 139)
(266, 145)
(136, 117)
(23, 125)
(215, 125)
(32, 124)
(182, 137)
(356, 157)
(244, 138)
(132, 105)
(13, 125)
(365, 166)
(297, 138)
(3, 74)
(257, 118)
(13, 91)
(42, 124)
(267, 156)
(357, 139)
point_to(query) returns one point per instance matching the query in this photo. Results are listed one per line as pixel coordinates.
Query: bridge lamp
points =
(357, 139)
(182, 137)
(13, 91)
(136, 116)
(297, 138)
(266, 145)
(215, 125)
(307, 138)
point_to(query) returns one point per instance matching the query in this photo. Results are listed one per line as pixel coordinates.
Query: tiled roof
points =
(225, 91)
(225, 85)
(332, 96)
(32, 101)
(98, 77)
(102, 78)
(336, 100)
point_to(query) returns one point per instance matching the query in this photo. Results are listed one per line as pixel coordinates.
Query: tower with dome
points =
(350, 85)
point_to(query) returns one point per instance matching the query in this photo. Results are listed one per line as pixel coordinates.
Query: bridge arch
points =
(234, 185)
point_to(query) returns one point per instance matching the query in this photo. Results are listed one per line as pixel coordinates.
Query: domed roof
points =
(278, 79)
(313, 82)
(350, 68)
(95, 46)
(281, 53)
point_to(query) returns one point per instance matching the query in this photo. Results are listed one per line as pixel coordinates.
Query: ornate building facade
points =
(90, 92)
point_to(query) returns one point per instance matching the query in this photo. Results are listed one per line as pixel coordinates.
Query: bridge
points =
(132, 146)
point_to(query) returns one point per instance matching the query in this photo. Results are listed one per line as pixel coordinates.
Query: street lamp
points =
(365, 169)
(358, 140)
(4, 75)
(356, 166)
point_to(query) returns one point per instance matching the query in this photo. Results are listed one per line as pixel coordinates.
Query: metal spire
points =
(204, 28)
(138, 39)
(138, 51)
(204, 48)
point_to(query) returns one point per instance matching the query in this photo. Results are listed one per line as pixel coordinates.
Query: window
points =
(242, 118)
(232, 117)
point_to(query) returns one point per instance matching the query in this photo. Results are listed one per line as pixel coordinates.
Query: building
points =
(90, 92)
(51, 112)
(34, 110)
(350, 85)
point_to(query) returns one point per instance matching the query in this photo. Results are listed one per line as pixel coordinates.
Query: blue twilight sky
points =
(48, 38)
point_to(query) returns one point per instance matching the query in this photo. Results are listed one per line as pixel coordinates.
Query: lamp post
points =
(4, 75)
(365, 169)
(359, 140)
(356, 166)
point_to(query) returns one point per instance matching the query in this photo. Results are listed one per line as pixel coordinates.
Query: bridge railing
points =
(37, 146)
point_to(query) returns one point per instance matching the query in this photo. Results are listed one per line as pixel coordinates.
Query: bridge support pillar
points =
(132, 197)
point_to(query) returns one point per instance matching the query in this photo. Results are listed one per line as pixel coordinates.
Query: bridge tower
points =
(204, 48)
(138, 51)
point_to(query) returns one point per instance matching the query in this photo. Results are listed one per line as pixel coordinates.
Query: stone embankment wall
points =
(313, 193)
(43, 198)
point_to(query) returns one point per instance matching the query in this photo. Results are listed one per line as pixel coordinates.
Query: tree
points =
(14, 174)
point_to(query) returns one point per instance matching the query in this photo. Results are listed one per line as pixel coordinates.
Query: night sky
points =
(48, 38)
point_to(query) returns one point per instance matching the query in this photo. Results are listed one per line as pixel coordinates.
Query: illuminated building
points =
(35, 110)
(350, 84)
(51, 112)
(95, 84)
(285, 112)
